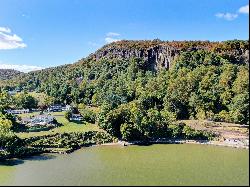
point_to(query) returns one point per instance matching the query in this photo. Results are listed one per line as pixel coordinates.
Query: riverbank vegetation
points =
(10, 144)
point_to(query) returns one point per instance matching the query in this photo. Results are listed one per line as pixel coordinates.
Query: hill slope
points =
(8, 73)
(156, 55)
(143, 86)
(162, 53)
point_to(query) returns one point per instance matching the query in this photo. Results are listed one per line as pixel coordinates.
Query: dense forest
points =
(204, 80)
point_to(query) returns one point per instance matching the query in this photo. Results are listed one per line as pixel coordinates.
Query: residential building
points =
(66, 108)
(76, 117)
(18, 111)
(55, 108)
(39, 120)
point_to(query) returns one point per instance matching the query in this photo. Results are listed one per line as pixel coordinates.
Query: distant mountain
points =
(6, 74)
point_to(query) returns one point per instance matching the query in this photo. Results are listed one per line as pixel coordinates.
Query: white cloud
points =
(227, 16)
(9, 40)
(112, 37)
(112, 34)
(110, 40)
(4, 29)
(244, 9)
(22, 68)
(230, 16)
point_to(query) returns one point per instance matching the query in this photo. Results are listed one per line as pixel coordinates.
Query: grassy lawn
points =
(226, 130)
(66, 126)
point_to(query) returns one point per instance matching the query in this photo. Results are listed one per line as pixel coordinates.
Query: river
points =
(171, 164)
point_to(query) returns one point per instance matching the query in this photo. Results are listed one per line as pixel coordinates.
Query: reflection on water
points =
(11, 162)
(133, 165)
(9, 168)
(40, 157)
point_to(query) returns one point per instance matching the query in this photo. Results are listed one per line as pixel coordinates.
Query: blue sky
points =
(36, 34)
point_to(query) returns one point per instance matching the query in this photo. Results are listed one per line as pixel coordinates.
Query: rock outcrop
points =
(159, 54)
(8, 73)
(157, 57)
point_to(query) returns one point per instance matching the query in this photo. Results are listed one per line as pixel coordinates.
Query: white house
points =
(12, 92)
(55, 108)
(21, 111)
(76, 117)
(42, 120)
(66, 108)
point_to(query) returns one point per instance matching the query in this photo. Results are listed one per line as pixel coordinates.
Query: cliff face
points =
(8, 73)
(160, 54)
(158, 57)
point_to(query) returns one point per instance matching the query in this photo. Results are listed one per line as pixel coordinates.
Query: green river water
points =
(183, 164)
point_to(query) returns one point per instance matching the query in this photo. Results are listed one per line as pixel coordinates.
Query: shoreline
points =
(238, 145)
(228, 143)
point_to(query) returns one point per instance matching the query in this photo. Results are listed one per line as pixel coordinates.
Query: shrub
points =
(223, 116)
(193, 134)
(67, 115)
(175, 131)
(88, 115)
(129, 132)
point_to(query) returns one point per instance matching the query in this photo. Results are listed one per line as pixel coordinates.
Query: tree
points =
(239, 108)
(67, 115)
(46, 101)
(129, 132)
(5, 100)
(5, 124)
(8, 140)
(24, 100)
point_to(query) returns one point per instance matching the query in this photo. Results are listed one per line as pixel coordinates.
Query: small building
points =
(35, 110)
(39, 120)
(55, 108)
(66, 108)
(12, 92)
(76, 117)
(18, 111)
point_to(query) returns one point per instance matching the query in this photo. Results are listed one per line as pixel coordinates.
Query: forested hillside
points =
(143, 85)
(8, 73)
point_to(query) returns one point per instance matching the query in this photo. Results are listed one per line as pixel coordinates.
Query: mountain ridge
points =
(139, 49)
(162, 53)
(156, 53)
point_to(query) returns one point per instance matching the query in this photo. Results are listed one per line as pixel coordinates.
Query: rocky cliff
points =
(159, 54)
(8, 73)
